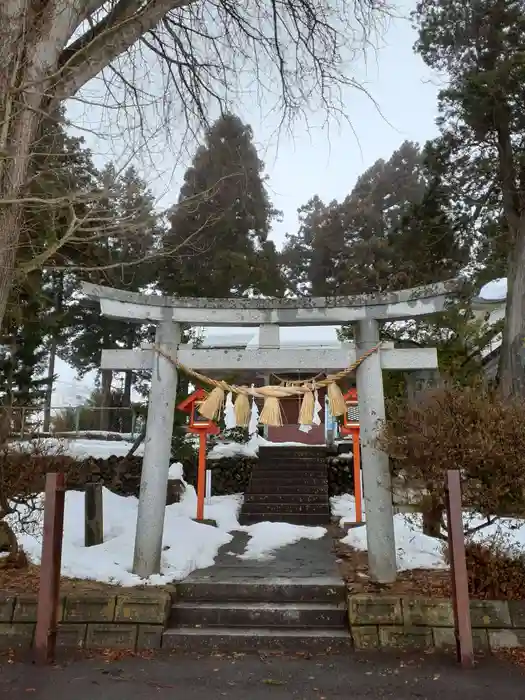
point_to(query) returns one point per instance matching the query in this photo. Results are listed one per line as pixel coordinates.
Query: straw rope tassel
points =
(271, 413)
(242, 410)
(212, 405)
(336, 400)
(306, 412)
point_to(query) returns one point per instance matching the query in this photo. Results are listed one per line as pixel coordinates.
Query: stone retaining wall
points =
(130, 620)
(425, 623)
(136, 620)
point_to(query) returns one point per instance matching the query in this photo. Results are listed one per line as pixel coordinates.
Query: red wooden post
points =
(201, 476)
(357, 478)
(49, 590)
(458, 570)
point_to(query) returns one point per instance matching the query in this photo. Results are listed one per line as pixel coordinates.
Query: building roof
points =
(289, 336)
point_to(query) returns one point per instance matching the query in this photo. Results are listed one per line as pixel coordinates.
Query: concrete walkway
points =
(359, 677)
(306, 559)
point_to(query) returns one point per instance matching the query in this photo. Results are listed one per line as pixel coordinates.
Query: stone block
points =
(517, 613)
(149, 637)
(7, 606)
(428, 612)
(112, 636)
(71, 635)
(150, 607)
(490, 613)
(399, 637)
(26, 608)
(375, 610)
(506, 638)
(366, 637)
(17, 635)
(445, 638)
(89, 608)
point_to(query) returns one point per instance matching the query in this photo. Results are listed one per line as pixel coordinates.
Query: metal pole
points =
(49, 589)
(458, 570)
(376, 471)
(157, 453)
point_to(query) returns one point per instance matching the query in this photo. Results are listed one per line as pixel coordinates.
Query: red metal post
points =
(458, 570)
(49, 590)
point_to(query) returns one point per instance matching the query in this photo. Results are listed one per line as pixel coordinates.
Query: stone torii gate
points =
(365, 311)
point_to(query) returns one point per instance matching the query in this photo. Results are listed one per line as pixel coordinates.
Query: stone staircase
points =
(288, 484)
(244, 616)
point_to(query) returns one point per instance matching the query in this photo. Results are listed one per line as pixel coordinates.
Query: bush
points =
(495, 572)
(470, 429)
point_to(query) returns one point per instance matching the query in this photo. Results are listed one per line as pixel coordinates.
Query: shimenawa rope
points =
(271, 413)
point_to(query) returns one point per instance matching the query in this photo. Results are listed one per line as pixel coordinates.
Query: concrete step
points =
(288, 507)
(282, 455)
(305, 498)
(328, 590)
(257, 639)
(263, 486)
(306, 451)
(292, 466)
(309, 519)
(291, 477)
(269, 615)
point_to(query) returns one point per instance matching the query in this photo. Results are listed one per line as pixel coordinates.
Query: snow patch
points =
(225, 450)
(495, 290)
(187, 545)
(80, 449)
(414, 550)
(266, 537)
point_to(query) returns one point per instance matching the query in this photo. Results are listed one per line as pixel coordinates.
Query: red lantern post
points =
(351, 427)
(202, 427)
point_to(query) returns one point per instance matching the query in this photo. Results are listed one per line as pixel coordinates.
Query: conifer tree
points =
(218, 242)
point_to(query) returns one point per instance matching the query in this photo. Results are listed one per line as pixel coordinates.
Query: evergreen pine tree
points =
(218, 243)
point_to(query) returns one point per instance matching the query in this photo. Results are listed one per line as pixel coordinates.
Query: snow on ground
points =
(414, 550)
(224, 450)
(267, 537)
(187, 545)
(343, 507)
(80, 448)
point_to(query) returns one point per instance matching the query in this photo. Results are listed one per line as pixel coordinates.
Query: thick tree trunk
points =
(107, 376)
(512, 358)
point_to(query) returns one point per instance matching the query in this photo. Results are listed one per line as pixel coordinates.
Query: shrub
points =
(470, 429)
(495, 571)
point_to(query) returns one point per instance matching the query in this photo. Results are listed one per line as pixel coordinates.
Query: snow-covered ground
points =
(187, 545)
(224, 450)
(416, 550)
(83, 447)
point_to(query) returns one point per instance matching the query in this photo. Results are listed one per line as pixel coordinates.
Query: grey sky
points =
(323, 160)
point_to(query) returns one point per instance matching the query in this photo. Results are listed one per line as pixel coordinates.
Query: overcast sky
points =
(319, 160)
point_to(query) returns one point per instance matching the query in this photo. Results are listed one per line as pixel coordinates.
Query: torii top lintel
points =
(318, 311)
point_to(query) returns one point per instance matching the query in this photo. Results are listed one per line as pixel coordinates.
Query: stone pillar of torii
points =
(364, 311)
